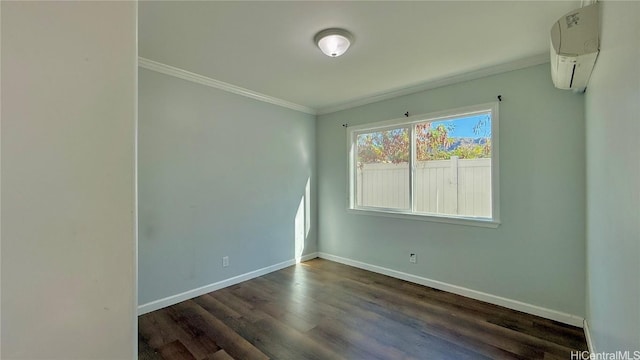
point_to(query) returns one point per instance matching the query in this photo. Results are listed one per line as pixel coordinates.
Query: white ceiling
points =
(267, 47)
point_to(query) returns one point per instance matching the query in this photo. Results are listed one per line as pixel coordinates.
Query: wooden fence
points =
(453, 187)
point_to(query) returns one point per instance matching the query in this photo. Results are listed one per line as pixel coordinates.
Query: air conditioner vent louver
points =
(574, 48)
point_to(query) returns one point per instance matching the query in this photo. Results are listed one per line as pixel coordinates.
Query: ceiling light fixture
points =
(333, 42)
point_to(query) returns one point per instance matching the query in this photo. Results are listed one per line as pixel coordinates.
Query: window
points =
(441, 166)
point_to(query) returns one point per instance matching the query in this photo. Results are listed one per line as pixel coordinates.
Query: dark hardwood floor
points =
(325, 310)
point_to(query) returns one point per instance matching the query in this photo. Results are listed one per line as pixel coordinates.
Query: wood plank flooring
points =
(324, 310)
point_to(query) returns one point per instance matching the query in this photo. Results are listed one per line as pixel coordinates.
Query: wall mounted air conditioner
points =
(574, 48)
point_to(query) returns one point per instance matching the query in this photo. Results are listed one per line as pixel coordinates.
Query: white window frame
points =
(354, 131)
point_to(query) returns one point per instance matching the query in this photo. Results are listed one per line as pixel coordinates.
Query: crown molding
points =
(444, 81)
(203, 80)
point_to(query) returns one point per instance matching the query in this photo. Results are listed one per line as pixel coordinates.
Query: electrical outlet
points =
(413, 258)
(225, 261)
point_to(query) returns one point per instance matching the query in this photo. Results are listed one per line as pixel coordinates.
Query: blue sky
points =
(463, 127)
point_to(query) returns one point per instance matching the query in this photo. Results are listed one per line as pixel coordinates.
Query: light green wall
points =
(613, 178)
(537, 255)
(219, 175)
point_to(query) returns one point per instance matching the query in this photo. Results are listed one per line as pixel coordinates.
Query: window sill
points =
(486, 223)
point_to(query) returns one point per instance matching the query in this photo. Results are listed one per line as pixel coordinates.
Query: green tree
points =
(389, 146)
(473, 151)
(432, 143)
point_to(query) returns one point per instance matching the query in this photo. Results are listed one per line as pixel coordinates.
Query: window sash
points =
(411, 122)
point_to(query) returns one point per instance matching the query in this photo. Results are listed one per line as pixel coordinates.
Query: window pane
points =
(453, 166)
(382, 169)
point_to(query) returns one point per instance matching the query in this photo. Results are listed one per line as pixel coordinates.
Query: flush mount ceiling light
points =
(333, 42)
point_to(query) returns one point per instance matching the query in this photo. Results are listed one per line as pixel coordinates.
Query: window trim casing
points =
(353, 131)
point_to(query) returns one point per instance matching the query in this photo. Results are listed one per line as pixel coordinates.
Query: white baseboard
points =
(190, 294)
(474, 294)
(587, 334)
